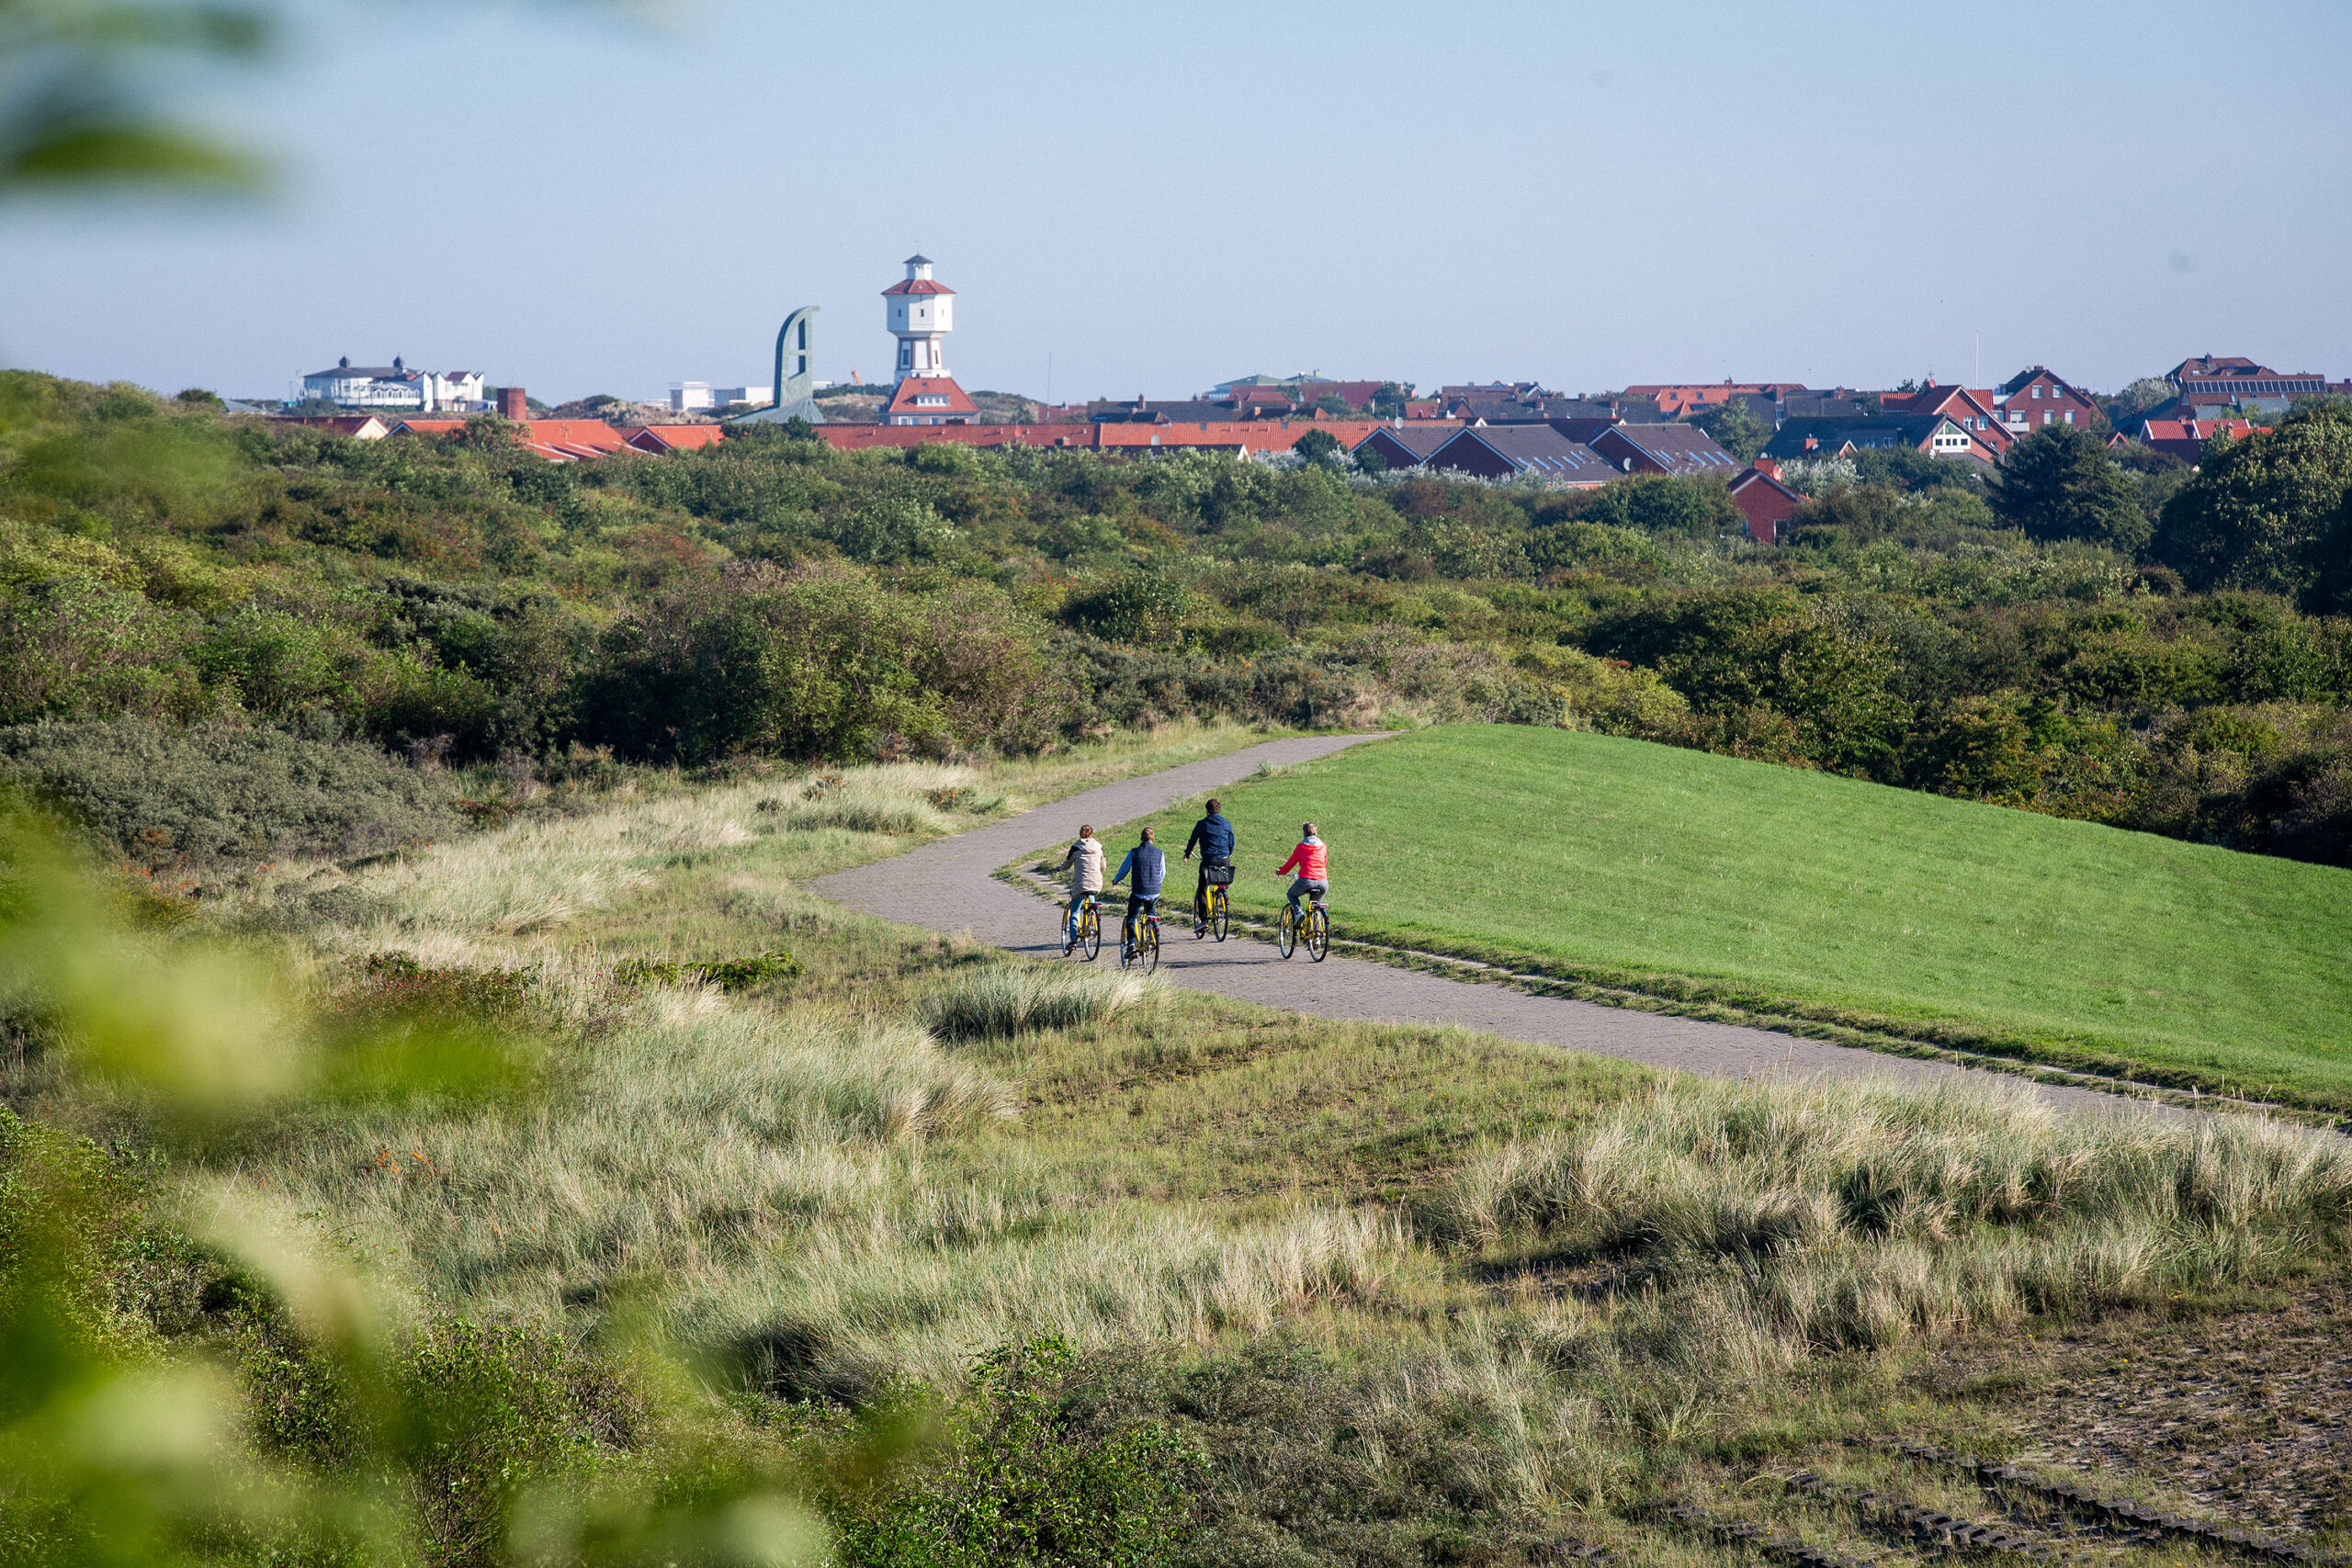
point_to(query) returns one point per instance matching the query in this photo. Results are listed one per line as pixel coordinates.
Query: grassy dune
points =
(1422, 1296)
(1635, 863)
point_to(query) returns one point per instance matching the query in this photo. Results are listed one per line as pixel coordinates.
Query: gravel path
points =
(946, 885)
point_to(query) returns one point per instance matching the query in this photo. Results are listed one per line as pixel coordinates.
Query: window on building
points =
(2036, 388)
(2070, 416)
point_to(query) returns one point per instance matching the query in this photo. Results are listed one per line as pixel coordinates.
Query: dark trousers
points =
(1201, 889)
(1139, 906)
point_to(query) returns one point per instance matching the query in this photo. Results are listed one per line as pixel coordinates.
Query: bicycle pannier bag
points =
(1219, 875)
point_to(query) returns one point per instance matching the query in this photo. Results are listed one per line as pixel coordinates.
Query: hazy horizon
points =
(1153, 201)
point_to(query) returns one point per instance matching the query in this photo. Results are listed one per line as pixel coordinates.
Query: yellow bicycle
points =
(1089, 942)
(1313, 927)
(1139, 941)
(1220, 914)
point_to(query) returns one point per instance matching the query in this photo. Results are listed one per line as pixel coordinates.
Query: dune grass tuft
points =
(896, 797)
(1776, 1220)
(1014, 999)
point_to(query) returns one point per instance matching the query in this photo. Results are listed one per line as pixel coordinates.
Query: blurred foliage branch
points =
(85, 91)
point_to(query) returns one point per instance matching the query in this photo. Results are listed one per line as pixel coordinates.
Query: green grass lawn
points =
(1631, 863)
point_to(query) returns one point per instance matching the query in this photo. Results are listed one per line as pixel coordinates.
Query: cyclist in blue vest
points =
(1149, 863)
(1213, 836)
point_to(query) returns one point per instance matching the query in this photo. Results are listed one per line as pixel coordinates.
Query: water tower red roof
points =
(947, 398)
(916, 285)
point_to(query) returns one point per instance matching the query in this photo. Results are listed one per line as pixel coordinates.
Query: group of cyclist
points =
(1145, 872)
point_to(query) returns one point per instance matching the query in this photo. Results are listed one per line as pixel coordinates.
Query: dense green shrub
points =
(2059, 483)
(1656, 503)
(74, 648)
(809, 662)
(1775, 677)
(158, 796)
(2270, 513)
(727, 974)
(1037, 1472)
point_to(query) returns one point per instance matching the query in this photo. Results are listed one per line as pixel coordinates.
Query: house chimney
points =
(1768, 467)
(512, 404)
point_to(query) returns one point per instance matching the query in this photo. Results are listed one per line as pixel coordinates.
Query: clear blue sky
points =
(1156, 197)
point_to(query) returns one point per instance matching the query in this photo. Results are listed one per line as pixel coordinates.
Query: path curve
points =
(948, 886)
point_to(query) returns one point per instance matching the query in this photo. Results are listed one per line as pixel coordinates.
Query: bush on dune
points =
(161, 796)
(815, 662)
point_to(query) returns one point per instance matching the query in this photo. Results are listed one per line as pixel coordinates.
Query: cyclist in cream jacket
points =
(1084, 864)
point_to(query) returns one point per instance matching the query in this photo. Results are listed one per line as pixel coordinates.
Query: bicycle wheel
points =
(1089, 935)
(1220, 913)
(1318, 934)
(1286, 933)
(1147, 942)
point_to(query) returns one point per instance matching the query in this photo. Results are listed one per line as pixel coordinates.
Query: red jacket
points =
(1308, 861)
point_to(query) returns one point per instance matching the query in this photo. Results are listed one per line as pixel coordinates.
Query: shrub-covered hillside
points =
(2157, 649)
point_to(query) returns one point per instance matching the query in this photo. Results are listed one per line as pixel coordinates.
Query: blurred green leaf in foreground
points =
(84, 89)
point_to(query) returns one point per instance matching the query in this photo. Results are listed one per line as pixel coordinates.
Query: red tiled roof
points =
(557, 440)
(859, 437)
(916, 285)
(902, 400)
(1233, 434)
(1223, 436)
(674, 437)
(575, 432)
(2156, 431)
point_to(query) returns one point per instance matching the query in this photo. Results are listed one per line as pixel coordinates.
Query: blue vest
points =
(1150, 868)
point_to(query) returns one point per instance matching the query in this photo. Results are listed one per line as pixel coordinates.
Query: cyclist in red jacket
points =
(1308, 862)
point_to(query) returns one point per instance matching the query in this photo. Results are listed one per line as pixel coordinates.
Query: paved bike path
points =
(946, 885)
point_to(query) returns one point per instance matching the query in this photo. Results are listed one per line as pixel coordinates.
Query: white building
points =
(456, 389)
(694, 396)
(921, 312)
(395, 386)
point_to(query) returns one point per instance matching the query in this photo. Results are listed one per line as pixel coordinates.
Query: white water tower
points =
(921, 314)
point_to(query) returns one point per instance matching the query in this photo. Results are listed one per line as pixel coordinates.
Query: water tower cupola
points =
(921, 314)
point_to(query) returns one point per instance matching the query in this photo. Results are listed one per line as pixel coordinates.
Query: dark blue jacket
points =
(1213, 836)
(1150, 863)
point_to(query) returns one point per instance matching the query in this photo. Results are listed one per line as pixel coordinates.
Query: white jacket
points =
(1086, 855)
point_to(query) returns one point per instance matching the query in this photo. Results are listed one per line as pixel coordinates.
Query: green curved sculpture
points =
(795, 381)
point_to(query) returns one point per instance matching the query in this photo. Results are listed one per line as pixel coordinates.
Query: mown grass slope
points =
(1629, 862)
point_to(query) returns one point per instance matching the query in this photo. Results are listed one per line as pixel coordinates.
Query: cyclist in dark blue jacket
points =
(1213, 836)
(1149, 861)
